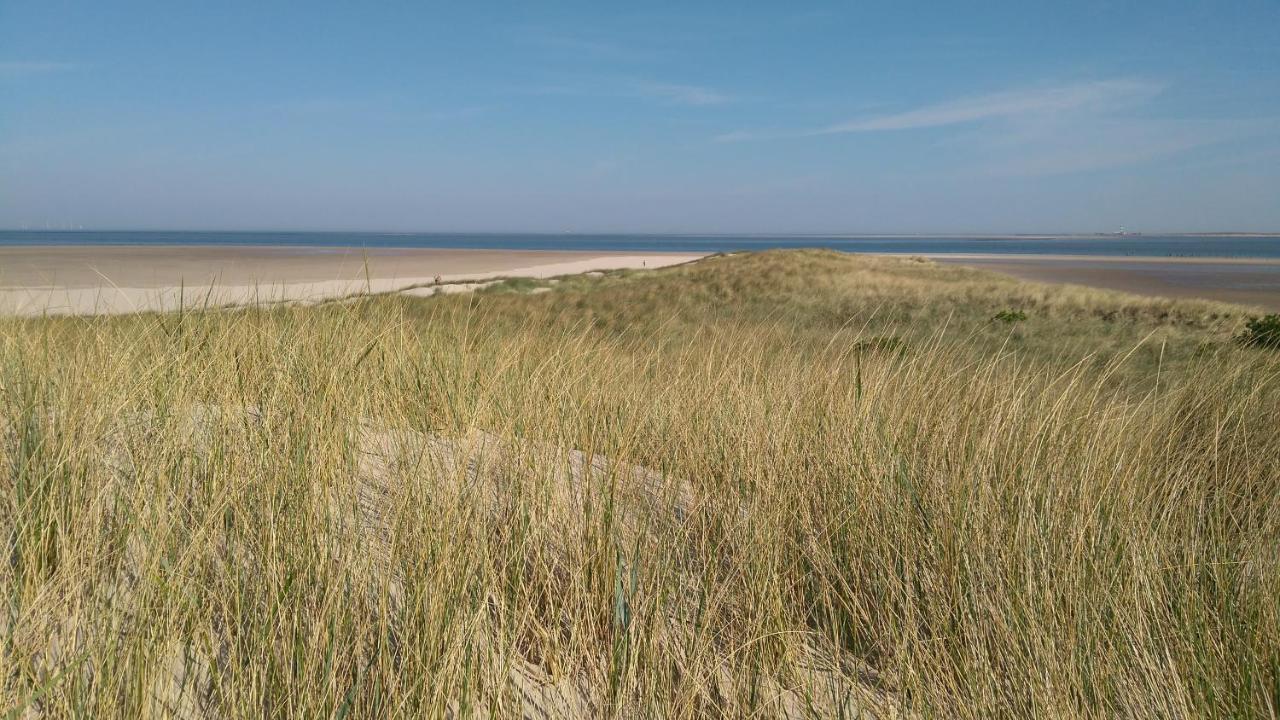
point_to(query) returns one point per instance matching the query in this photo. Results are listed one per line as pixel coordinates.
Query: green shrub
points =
(1009, 316)
(1262, 332)
(514, 285)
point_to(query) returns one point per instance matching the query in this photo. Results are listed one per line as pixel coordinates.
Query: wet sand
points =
(1254, 282)
(108, 279)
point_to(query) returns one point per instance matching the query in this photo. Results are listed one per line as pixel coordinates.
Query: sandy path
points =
(87, 280)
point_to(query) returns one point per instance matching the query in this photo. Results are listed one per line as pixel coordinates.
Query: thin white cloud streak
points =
(461, 112)
(1049, 131)
(581, 46)
(682, 94)
(1007, 104)
(664, 92)
(354, 107)
(25, 68)
(1104, 143)
(1103, 94)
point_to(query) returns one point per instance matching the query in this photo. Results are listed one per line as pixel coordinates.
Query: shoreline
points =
(1117, 259)
(553, 234)
(1251, 282)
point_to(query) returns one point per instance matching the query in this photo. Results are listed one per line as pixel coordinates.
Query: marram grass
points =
(778, 485)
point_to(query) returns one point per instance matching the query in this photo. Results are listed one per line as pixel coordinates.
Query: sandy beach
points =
(1245, 281)
(111, 279)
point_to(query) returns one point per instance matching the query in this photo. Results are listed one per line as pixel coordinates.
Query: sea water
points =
(1229, 246)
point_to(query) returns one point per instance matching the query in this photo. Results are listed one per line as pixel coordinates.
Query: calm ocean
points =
(1135, 246)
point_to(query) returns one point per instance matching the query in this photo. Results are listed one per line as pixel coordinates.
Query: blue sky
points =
(702, 117)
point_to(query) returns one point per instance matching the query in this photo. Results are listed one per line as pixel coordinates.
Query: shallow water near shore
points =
(1232, 246)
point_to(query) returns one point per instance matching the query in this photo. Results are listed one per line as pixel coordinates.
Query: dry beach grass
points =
(787, 484)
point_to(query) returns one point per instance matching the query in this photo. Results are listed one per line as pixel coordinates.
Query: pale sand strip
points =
(1244, 281)
(1107, 259)
(114, 280)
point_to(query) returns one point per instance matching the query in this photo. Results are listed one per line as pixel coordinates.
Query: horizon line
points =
(664, 233)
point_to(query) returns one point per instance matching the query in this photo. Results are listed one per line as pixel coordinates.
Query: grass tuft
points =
(1262, 332)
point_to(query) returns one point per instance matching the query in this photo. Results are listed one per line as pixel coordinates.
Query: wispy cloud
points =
(577, 45)
(1049, 130)
(312, 106)
(461, 112)
(662, 92)
(1103, 94)
(1099, 143)
(681, 94)
(24, 68)
(385, 108)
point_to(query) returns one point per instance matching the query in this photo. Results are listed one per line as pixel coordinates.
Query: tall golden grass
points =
(791, 485)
